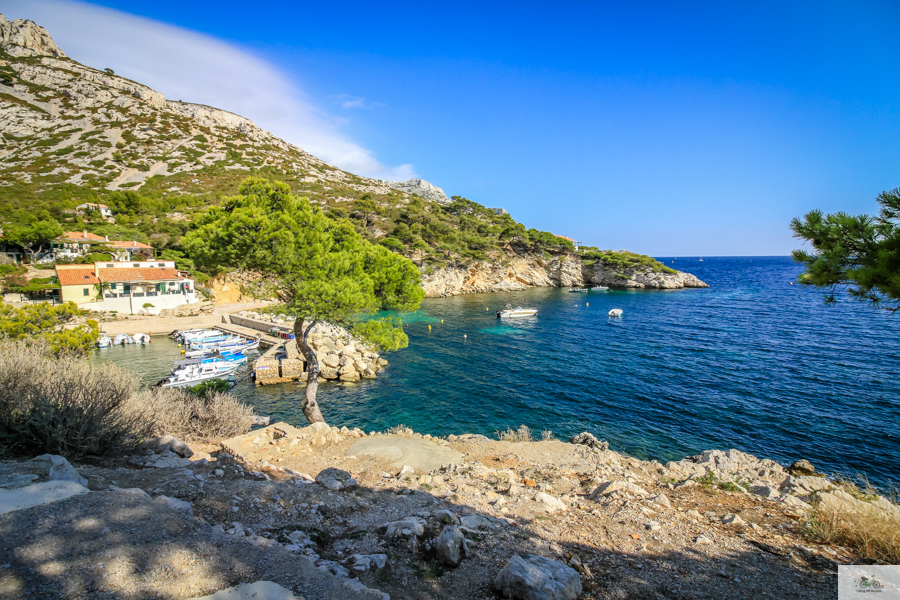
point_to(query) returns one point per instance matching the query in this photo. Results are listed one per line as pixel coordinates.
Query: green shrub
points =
(65, 404)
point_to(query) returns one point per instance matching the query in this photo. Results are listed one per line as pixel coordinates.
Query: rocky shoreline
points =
(517, 272)
(342, 357)
(332, 512)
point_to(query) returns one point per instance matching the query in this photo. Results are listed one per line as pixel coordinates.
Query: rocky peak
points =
(422, 188)
(25, 38)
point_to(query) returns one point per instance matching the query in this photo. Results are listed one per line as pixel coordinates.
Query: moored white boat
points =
(103, 341)
(600, 288)
(516, 312)
(244, 345)
(195, 370)
(616, 312)
(141, 338)
(122, 339)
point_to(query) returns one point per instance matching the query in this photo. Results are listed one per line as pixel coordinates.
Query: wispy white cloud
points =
(348, 101)
(195, 67)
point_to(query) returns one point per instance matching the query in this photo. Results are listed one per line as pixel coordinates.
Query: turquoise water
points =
(752, 363)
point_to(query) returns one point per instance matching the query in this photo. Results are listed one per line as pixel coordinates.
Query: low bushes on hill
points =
(195, 418)
(625, 260)
(65, 404)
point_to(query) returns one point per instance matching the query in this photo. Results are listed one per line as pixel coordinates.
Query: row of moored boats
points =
(208, 354)
(123, 339)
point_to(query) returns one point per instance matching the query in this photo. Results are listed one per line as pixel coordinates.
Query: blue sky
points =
(665, 128)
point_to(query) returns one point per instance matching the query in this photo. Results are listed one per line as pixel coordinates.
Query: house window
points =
(86, 292)
(127, 287)
(136, 265)
(110, 266)
(162, 264)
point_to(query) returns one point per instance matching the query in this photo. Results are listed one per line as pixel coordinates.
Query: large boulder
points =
(167, 442)
(410, 528)
(531, 577)
(587, 438)
(62, 470)
(335, 479)
(605, 489)
(450, 546)
(801, 467)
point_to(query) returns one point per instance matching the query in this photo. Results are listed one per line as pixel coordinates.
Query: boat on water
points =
(600, 288)
(579, 290)
(192, 371)
(122, 339)
(515, 312)
(194, 335)
(616, 312)
(243, 346)
(103, 341)
(141, 338)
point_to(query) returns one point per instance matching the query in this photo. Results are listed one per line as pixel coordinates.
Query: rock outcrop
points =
(110, 132)
(422, 188)
(24, 38)
(505, 272)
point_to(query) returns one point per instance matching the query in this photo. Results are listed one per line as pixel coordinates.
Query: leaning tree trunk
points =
(310, 406)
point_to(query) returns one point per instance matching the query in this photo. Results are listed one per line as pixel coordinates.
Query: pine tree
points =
(326, 270)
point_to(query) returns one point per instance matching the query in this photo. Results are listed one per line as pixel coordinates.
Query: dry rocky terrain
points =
(334, 513)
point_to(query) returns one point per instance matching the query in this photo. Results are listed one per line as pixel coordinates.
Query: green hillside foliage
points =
(47, 322)
(625, 260)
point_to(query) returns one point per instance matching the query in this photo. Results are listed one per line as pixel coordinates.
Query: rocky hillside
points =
(67, 123)
(517, 272)
(70, 133)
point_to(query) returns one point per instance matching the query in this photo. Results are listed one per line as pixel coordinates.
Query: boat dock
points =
(264, 338)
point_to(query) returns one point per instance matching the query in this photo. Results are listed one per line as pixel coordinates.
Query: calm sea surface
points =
(752, 363)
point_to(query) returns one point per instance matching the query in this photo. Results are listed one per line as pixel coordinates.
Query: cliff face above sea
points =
(508, 273)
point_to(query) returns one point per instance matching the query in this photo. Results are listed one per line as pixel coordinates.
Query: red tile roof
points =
(76, 276)
(81, 236)
(139, 274)
(128, 244)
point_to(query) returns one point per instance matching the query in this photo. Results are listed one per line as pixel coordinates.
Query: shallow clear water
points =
(752, 363)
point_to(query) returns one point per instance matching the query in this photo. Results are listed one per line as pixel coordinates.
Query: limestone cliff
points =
(24, 38)
(503, 273)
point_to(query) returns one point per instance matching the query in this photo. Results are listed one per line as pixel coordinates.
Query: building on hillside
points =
(103, 209)
(126, 287)
(75, 244)
(498, 211)
(568, 239)
(130, 250)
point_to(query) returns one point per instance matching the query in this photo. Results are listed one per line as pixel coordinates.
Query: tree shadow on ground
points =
(123, 544)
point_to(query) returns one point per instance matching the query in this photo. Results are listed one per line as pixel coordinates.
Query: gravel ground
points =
(120, 543)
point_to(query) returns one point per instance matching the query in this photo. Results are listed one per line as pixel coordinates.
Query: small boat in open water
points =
(515, 312)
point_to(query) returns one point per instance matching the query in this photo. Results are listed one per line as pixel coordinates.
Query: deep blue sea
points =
(752, 363)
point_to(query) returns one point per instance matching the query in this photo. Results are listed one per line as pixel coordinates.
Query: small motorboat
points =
(194, 370)
(141, 338)
(103, 341)
(122, 339)
(579, 290)
(616, 312)
(600, 288)
(515, 312)
(239, 347)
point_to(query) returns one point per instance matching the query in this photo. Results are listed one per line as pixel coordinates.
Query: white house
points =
(126, 287)
(104, 210)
